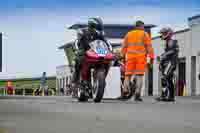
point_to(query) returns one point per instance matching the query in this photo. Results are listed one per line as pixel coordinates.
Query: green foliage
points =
(70, 55)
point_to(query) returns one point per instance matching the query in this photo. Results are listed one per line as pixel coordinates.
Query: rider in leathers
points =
(84, 37)
(168, 61)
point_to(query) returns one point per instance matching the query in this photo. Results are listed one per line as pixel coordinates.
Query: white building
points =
(188, 68)
(63, 77)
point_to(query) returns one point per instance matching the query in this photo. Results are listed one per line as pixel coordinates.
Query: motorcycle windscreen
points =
(99, 47)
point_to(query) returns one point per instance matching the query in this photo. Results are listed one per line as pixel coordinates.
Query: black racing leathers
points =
(168, 61)
(85, 36)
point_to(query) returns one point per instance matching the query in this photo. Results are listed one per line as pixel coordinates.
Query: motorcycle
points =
(93, 72)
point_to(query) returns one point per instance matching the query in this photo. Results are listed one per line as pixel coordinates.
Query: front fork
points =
(92, 75)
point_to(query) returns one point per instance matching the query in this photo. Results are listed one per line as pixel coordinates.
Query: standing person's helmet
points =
(166, 33)
(95, 24)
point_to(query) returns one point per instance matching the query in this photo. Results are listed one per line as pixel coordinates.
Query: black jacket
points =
(85, 36)
(171, 51)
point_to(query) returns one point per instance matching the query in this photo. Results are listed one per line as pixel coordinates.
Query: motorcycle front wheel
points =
(99, 86)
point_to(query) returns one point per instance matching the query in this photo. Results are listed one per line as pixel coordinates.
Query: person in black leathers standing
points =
(168, 61)
(94, 31)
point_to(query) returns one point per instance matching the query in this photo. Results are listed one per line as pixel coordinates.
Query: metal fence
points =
(27, 90)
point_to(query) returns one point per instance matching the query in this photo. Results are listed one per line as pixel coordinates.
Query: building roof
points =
(194, 17)
(176, 32)
(82, 25)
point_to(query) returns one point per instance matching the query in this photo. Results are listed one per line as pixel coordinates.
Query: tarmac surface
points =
(66, 115)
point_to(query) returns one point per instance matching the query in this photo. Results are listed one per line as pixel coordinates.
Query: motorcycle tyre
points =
(101, 86)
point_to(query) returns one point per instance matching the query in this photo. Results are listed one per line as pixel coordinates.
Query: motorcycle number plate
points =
(101, 52)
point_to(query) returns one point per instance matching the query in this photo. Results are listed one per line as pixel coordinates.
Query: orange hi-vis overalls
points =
(135, 48)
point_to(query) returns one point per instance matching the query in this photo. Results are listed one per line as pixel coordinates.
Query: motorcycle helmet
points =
(95, 24)
(166, 33)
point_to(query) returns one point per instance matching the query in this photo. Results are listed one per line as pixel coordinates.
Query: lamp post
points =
(1, 51)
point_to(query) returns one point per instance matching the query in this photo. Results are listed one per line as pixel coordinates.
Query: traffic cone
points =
(184, 91)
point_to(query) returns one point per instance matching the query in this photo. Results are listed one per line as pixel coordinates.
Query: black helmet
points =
(139, 23)
(95, 24)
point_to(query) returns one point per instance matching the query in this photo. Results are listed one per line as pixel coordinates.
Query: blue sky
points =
(33, 29)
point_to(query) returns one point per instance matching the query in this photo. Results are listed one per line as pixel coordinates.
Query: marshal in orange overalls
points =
(135, 48)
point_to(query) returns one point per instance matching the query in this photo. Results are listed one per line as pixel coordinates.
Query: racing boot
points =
(86, 88)
(161, 98)
(138, 98)
(163, 95)
(170, 99)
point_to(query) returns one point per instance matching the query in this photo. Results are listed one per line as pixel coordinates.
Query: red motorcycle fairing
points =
(91, 54)
(91, 58)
